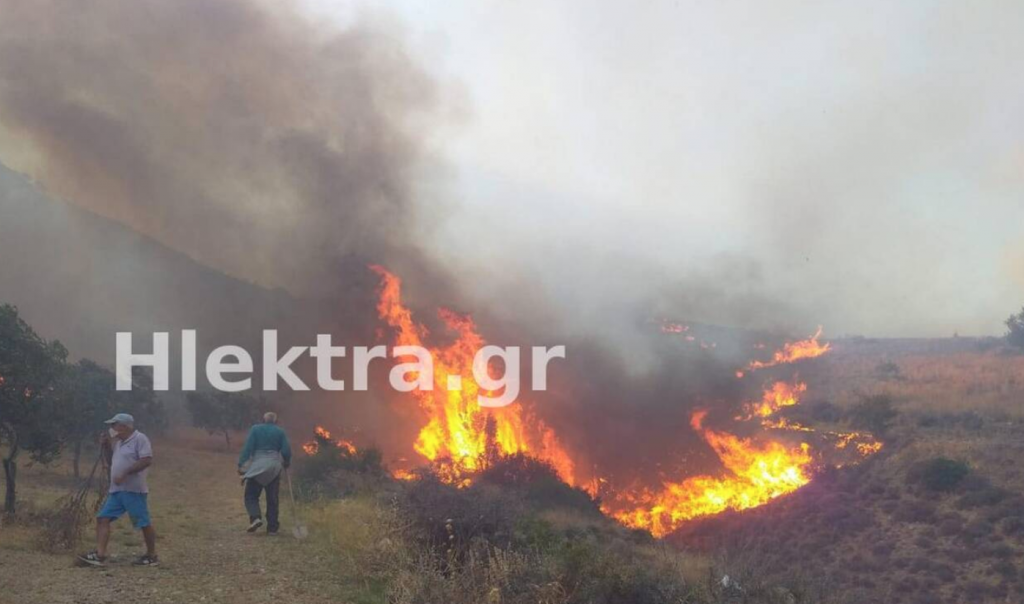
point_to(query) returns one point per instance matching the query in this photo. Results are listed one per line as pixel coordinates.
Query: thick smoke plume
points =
(276, 151)
(236, 132)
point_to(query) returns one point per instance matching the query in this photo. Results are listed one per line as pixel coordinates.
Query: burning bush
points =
(335, 468)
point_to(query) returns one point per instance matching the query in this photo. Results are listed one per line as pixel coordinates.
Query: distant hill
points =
(81, 278)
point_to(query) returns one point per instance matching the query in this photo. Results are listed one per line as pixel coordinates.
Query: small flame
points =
(322, 435)
(794, 351)
(670, 327)
(404, 475)
(779, 396)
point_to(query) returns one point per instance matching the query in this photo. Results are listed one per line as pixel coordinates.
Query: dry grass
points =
(985, 382)
(196, 505)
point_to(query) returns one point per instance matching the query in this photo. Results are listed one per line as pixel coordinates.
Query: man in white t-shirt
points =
(129, 454)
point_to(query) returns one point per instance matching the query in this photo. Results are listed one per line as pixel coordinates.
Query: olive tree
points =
(1015, 333)
(32, 390)
(222, 412)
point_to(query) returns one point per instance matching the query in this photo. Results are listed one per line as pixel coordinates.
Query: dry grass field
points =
(205, 553)
(931, 376)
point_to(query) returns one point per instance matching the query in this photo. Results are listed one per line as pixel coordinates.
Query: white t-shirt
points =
(126, 453)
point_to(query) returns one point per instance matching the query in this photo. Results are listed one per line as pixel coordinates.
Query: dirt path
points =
(205, 554)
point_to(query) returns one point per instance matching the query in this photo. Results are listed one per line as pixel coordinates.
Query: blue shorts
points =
(119, 502)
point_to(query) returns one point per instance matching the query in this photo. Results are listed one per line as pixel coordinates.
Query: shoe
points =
(271, 533)
(146, 560)
(92, 559)
(254, 525)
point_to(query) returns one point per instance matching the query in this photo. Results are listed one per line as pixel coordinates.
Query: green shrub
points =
(1015, 330)
(940, 474)
(538, 483)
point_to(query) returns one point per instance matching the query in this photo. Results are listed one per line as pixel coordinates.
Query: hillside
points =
(79, 277)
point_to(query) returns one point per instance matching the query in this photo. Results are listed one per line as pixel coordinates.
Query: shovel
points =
(299, 529)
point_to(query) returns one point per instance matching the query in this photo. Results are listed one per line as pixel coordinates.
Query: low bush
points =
(539, 484)
(888, 371)
(939, 474)
(982, 494)
(335, 471)
(966, 420)
(874, 413)
(449, 520)
(916, 511)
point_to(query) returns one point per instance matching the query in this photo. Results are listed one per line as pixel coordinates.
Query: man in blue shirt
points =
(265, 454)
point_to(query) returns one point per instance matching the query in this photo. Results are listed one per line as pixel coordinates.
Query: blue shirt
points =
(266, 437)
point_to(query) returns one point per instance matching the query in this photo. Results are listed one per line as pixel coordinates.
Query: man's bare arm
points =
(136, 467)
(140, 465)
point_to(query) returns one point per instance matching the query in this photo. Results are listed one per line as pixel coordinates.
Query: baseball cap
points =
(121, 418)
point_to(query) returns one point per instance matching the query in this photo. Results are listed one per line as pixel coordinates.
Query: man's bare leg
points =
(102, 536)
(149, 534)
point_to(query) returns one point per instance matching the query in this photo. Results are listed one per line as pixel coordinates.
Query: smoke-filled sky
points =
(584, 165)
(782, 164)
(566, 172)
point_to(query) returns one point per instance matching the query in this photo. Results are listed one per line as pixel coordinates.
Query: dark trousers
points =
(252, 501)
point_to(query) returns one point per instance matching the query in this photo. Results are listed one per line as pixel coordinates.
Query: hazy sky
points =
(855, 164)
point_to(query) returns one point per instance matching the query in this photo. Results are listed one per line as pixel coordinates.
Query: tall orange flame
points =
(459, 434)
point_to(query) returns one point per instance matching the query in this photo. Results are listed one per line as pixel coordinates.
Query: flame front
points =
(461, 438)
(459, 435)
(794, 351)
(756, 474)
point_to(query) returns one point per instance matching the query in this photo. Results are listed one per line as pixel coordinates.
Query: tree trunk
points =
(10, 474)
(227, 439)
(78, 457)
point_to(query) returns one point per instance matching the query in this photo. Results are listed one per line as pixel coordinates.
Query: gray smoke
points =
(254, 141)
(281, 152)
